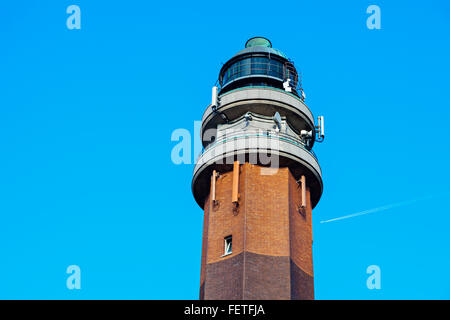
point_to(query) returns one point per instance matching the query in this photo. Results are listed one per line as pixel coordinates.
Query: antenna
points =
(320, 129)
(214, 98)
(277, 119)
(287, 85)
(215, 101)
(306, 134)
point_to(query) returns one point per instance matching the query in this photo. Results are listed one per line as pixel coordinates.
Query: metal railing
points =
(258, 133)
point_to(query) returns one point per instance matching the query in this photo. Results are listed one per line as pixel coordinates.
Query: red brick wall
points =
(269, 235)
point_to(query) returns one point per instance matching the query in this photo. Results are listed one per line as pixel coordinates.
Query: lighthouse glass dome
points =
(258, 41)
(258, 65)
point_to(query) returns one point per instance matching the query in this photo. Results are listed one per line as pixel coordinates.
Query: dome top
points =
(260, 44)
(258, 41)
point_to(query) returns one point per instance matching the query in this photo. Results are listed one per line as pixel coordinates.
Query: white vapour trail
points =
(382, 208)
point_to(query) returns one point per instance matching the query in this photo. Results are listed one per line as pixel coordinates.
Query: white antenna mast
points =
(214, 98)
(320, 129)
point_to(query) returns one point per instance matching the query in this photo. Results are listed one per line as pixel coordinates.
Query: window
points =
(258, 64)
(228, 243)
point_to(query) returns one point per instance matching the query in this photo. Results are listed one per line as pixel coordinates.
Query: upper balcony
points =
(259, 100)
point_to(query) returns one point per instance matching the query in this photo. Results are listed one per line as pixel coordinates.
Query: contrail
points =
(382, 208)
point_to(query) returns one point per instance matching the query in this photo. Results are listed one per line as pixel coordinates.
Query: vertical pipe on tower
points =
(303, 187)
(235, 190)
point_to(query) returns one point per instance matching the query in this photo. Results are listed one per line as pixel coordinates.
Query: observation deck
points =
(258, 116)
(262, 100)
(252, 139)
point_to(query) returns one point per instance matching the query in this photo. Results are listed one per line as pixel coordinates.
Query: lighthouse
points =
(257, 180)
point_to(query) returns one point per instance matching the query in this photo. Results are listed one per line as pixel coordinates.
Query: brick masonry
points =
(272, 238)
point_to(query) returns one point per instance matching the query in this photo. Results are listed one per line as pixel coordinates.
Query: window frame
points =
(228, 245)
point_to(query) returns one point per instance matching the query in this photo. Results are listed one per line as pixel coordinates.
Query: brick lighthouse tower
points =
(258, 180)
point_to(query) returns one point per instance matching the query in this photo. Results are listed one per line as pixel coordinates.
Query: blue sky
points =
(86, 118)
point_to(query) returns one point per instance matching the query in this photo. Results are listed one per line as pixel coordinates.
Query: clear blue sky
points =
(86, 118)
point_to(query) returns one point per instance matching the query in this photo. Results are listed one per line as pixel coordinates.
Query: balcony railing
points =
(258, 133)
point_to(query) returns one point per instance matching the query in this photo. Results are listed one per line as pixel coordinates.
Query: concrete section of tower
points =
(258, 180)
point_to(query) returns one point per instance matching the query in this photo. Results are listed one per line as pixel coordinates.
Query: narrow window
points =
(228, 243)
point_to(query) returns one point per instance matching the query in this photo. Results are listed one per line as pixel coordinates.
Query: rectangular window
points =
(228, 244)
